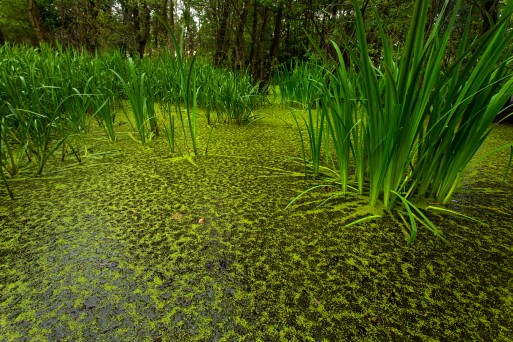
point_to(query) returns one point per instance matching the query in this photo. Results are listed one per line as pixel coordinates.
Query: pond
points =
(135, 244)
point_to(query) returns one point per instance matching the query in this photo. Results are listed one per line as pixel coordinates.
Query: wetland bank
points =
(134, 245)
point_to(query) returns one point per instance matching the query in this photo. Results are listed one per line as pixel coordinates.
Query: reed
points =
(411, 123)
(140, 99)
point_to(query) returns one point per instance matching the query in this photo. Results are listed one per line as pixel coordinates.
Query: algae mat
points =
(134, 245)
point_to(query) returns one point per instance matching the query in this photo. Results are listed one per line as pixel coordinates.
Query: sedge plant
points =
(187, 90)
(423, 123)
(411, 124)
(136, 91)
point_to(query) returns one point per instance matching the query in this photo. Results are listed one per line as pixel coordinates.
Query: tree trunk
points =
(36, 21)
(328, 30)
(144, 32)
(92, 40)
(221, 40)
(188, 20)
(166, 20)
(259, 72)
(275, 44)
(168, 15)
(171, 21)
(251, 59)
(2, 37)
(136, 21)
(239, 36)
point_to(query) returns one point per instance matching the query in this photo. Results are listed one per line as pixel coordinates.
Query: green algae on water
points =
(133, 245)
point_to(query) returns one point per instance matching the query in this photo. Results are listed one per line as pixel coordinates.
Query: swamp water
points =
(132, 245)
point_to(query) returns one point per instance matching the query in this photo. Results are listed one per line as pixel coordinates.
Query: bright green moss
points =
(114, 249)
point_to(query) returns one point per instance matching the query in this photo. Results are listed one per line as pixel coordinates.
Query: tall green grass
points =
(300, 82)
(141, 98)
(50, 96)
(230, 95)
(185, 92)
(404, 128)
(433, 119)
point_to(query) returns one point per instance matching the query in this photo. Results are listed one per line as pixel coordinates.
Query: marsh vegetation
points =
(346, 196)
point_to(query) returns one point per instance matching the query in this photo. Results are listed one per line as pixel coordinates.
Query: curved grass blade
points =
(455, 213)
(307, 191)
(364, 219)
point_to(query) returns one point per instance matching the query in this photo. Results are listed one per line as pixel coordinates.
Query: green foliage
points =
(300, 83)
(186, 93)
(141, 101)
(411, 124)
(51, 95)
(14, 21)
(230, 95)
(315, 127)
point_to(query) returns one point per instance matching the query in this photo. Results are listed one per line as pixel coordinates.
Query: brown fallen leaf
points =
(201, 220)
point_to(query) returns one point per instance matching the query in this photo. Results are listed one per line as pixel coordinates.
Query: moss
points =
(114, 249)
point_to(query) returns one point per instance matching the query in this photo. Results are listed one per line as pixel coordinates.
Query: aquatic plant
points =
(231, 95)
(50, 94)
(169, 127)
(187, 90)
(146, 236)
(300, 82)
(7, 152)
(315, 128)
(140, 101)
(234, 96)
(13, 143)
(418, 142)
(412, 124)
(101, 103)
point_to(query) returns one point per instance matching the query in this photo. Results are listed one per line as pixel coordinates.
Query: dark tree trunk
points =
(137, 29)
(144, 32)
(328, 31)
(172, 13)
(239, 36)
(277, 33)
(275, 44)
(222, 36)
(92, 35)
(36, 21)
(2, 37)
(251, 59)
(171, 20)
(160, 27)
(188, 20)
(259, 71)
(168, 15)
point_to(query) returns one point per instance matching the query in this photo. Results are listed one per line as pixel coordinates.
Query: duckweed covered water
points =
(132, 244)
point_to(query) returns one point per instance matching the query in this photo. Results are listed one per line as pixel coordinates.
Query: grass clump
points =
(411, 123)
(51, 95)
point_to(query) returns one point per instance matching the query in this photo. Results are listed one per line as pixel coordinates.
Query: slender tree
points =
(34, 14)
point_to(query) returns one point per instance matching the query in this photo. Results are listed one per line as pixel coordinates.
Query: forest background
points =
(255, 35)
